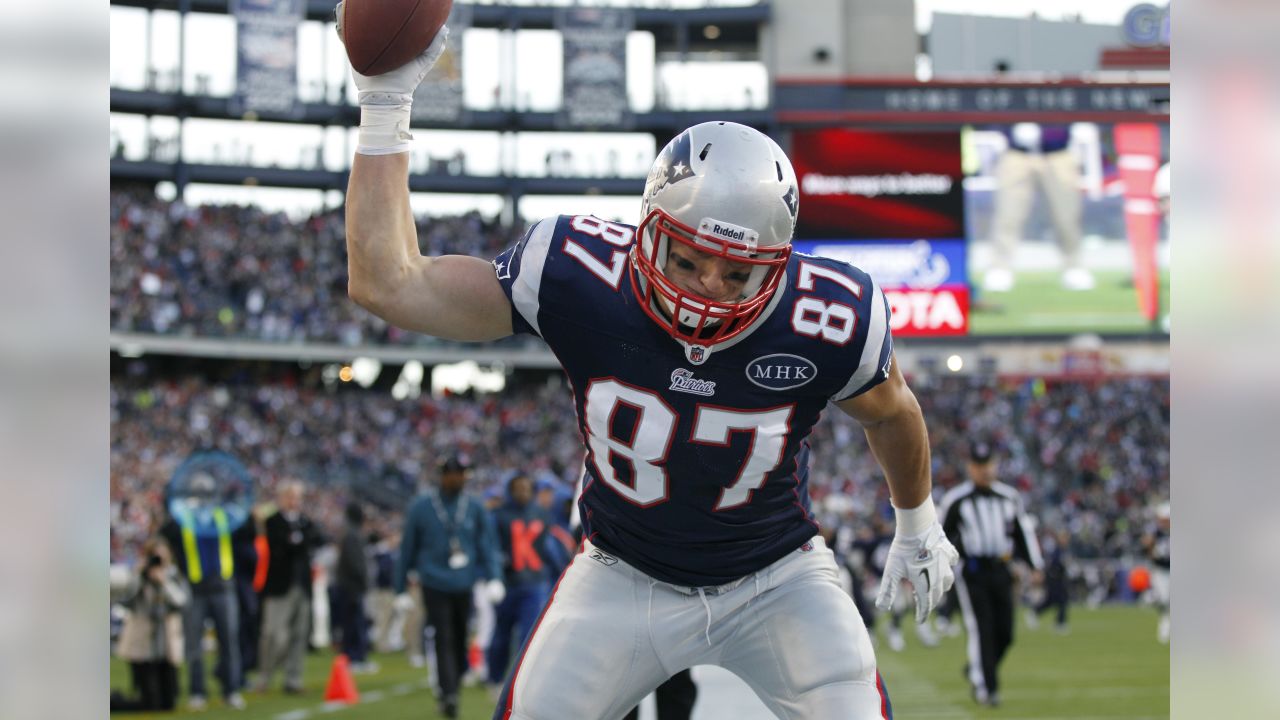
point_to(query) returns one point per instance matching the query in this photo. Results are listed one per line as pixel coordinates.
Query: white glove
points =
(396, 87)
(385, 100)
(921, 555)
(404, 602)
(495, 591)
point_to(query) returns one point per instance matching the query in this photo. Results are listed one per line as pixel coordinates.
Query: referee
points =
(986, 522)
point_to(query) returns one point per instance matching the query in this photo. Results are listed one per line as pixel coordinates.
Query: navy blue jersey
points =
(697, 460)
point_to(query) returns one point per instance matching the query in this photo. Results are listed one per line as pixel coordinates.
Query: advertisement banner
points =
(925, 281)
(867, 184)
(438, 98)
(920, 313)
(595, 67)
(267, 57)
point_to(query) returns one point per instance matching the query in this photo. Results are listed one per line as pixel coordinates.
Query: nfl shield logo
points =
(697, 354)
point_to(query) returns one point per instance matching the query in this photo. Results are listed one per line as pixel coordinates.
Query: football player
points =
(701, 351)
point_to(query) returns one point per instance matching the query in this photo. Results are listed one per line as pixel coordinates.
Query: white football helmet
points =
(727, 190)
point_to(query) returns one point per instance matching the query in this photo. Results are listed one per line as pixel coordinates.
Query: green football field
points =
(1038, 304)
(1108, 667)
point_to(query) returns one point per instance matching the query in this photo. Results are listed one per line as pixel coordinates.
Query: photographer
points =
(151, 640)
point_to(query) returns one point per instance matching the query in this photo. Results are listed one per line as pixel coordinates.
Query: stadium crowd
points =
(240, 271)
(1092, 456)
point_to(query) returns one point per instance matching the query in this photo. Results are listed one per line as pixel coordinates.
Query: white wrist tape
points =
(384, 129)
(917, 520)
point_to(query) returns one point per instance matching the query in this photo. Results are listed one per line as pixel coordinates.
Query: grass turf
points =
(1109, 666)
(1039, 304)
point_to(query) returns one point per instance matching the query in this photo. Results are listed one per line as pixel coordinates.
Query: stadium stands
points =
(233, 271)
(1092, 456)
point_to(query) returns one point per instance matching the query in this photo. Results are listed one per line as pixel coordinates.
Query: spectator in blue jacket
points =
(449, 542)
(528, 564)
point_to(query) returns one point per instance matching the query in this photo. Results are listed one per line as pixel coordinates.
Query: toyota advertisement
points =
(891, 203)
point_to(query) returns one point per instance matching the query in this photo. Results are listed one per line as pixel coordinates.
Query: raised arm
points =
(453, 297)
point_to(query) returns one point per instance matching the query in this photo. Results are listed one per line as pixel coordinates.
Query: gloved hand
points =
(495, 591)
(404, 602)
(923, 558)
(396, 86)
(385, 100)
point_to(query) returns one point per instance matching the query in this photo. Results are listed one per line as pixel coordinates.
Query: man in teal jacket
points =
(450, 543)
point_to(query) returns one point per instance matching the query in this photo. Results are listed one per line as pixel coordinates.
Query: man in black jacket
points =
(286, 607)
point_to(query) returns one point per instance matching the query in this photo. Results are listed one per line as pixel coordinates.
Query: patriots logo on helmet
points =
(792, 199)
(675, 164)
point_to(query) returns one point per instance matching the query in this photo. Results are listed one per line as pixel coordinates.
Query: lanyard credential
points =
(457, 558)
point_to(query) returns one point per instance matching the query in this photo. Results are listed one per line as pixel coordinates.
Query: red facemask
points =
(693, 318)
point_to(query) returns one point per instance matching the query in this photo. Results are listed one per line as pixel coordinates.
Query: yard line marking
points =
(302, 714)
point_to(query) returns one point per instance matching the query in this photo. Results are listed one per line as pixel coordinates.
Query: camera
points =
(154, 561)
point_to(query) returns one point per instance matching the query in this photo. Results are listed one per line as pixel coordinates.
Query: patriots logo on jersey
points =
(503, 264)
(682, 380)
(503, 269)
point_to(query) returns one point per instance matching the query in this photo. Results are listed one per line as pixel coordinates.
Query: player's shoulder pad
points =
(842, 279)
(520, 268)
(838, 282)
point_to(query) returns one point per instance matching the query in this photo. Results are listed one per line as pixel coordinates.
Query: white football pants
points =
(611, 634)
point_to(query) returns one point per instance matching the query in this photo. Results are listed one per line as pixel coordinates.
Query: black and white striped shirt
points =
(990, 523)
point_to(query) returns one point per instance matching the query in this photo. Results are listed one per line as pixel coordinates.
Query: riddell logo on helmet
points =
(728, 231)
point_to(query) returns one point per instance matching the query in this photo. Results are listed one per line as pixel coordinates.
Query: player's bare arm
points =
(895, 429)
(453, 297)
(920, 553)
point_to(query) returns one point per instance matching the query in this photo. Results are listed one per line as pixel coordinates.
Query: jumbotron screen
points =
(891, 203)
(1023, 229)
(860, 184)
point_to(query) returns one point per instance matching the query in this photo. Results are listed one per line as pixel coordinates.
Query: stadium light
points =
(466, 375)
(955, 363)
(409, 384)
(365, 370)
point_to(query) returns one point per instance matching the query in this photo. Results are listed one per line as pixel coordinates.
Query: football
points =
(382, 35)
